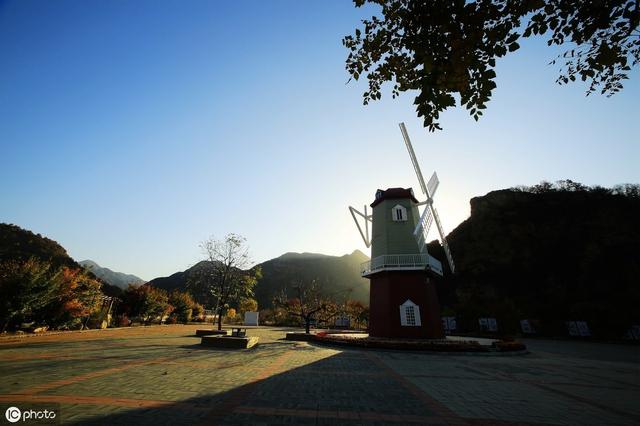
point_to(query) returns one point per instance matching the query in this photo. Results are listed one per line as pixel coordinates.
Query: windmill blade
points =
(366, 224)
(414, 161)
(445, 245)
(432, 185)
(422, 229)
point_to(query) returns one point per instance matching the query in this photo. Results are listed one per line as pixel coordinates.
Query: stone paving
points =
(161, 376)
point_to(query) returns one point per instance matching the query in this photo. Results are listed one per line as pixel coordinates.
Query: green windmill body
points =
(393, 222)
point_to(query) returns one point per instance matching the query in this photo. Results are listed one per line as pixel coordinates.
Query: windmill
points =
(427, 218)
(401, 271)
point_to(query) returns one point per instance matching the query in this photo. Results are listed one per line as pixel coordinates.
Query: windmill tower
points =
(403, 300)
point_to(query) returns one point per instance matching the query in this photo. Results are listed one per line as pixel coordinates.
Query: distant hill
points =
(21, 244)
(179, 279)
(117, 279)
(550, 252)
(339, 276)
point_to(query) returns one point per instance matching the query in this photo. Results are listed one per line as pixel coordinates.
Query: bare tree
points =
(308, 304)
(227, 277)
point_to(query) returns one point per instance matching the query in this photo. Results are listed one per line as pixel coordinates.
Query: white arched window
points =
(410, 314)
(399, 213)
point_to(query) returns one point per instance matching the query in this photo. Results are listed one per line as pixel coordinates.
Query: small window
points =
(410, 314)
(399, 213)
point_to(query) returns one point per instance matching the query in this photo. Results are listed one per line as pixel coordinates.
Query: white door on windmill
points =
(410, 314)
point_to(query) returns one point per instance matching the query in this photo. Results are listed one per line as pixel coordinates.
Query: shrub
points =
(183, 305)
(247, 305)
(145, 301)
(123, 321)
(198, 312)
(232, 316)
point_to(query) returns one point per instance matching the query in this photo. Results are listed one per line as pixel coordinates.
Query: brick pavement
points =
(160, 375)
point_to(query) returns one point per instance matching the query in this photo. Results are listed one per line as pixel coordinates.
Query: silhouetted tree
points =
(630, 190)
(308, 304)
(444, 48)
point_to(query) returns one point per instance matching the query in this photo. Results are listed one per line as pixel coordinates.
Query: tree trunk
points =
(219, 319)
(307, 325)
(216, 310)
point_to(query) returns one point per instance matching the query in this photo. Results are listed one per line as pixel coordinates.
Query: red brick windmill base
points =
(389, 290)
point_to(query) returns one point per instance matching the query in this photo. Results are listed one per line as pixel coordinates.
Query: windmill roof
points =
(393, 194)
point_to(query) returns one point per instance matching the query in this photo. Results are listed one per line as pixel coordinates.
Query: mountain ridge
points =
(337, 275)
(114, 278)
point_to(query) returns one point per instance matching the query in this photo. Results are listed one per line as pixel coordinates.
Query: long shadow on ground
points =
(346, 387)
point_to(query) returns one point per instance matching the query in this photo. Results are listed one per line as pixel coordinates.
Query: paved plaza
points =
(161, 376)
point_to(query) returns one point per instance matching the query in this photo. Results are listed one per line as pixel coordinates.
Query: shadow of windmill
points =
(351, 387)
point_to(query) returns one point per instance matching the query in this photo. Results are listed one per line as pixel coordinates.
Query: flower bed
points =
(300, 337)
(438, 345)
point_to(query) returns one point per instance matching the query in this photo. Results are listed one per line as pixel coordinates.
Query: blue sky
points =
(132, 130)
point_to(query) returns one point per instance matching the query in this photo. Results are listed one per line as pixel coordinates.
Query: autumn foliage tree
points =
(78, 296)
(146, 302)
(25, 289)
(183, 305)
(357, 311)
(197, 312)
(231, 315)
(35, 291)
(248, 305)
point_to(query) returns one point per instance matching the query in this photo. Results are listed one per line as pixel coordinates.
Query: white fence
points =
(405, 262)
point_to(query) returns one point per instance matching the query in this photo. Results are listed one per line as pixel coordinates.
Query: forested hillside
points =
(17, 244)
(549, 252)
